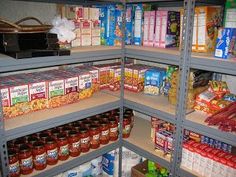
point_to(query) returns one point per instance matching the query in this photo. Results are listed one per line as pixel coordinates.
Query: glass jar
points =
(74, 143)
(113, 130)
(26, 160)
(63, 147)
(95, 121)
(104, 127)
(14, 165)
(94, 132)
(39, 156)
(55, 133)
(51, 151)
(86, 124)
(43, 136)
(131, 114)
(76, 127)
(32, 140)
(79, 122)
(60, 129)
(66, 130)
(18, 143)
(84, 139)
(126, 126)
(104, 119)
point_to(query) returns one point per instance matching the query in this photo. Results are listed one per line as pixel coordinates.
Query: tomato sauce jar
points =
(63, 147)
(104, 127)
(94, 132)
(55, 133)
(126, 126)
(60, 128)
(51, 151)
(18, 143)
(26, 160)
(86, 124)
(104, 119)
(32, 140)
(76, 127)
(84, 139)
(39, 156)
(43, 136)
(66, 131)
(95, 121)
(14, 165)
(113, 130)
(74, 143)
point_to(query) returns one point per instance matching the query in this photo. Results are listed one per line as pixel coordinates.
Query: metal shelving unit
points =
(157, 106)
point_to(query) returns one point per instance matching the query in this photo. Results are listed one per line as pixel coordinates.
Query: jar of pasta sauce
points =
(26, 160)
(39, 156)
(126, 126)
(84, 139)
(95, 121)
(60, 129)
(51, 151)
(104, 119)
(113, 130)
(105, 137)
(14, 165)
(86, 124)
(32, 140)
(130, 113)
(18, 143)
(63, 147)
(76, 127)
(94, 132)
(55, 133)
(43, 136)
(66, 130)
(74, 143)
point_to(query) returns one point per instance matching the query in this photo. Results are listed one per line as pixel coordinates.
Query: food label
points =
(19, 94)
(76, 144)
(85, 81)
(37, 90)
(85, 140)
(71, 85)
(14, 168)
(40, 159)
(52, 154)
(113, 130)
(56, 88)
(96, 137)
(26, 163)
(5, 97)
(64, 150)
(105, 132)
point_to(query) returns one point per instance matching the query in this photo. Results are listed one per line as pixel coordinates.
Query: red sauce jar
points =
(43, 136)
(14, 165)
(10, 145)
(74, 143)
(18, 143)
(39, 156)
(113, 130)
(32, 140)
(105, 137)
(76, 127)
(51, 151)
(95, 121)
(131, 114)
(60, 128)
(84, 139)
(126, 126)
(94, 132)
(98, 116)
(63, 147)
(86, 124)
(55, 133)
(66, 130)
(104, 119)
(26, 160)
(79, 122)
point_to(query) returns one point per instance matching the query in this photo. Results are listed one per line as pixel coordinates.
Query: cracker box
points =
(96, 32)
(138, 20)
(129, 25)
(115, 75)
(86, 33)
(138, 77)
(118, 25)
(93, 13)
(225, 42)
(77, 41)
(168, 29)
(111, 25)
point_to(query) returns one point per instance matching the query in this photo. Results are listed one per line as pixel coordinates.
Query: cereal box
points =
(129, 25)
(151, 28)
(115, 75)
(85, 85)
(157, 29)
(146, 22)
(111, 25)
(138, 77)
(77, 41)
(103, 21)
(118, 25)
(138, 20)
(96, 31)
(93, 13)
(86, 33)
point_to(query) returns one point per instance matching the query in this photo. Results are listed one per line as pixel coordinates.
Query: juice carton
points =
(111, 25)
(96, 32)
(118, 25)
(138, 20)
(225, 42)
(167, 29)
(115, 75)
(86, 33)
(77, 41)
(93, 13)
(129, 25)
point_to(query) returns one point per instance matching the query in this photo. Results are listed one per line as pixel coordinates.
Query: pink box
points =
(157, 29)
(146, 27)
(151, 28)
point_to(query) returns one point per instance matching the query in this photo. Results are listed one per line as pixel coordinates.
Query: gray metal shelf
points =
(63, 166)
(187, 173)
(78, 55)
(45, 119)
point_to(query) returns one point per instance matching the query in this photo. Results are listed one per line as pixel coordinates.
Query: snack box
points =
(138, 20)
(225, 42)
(129, 25)
(111, 25)
(138, 77)
(115, 76)
(118, 25)
(154, 81)
(96, 32)
(167, 29)
(77, 41)
(86, 33)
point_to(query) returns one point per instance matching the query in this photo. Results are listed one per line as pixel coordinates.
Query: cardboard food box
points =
(118, 25)
(128, 77)
(111, 25)
(129, 25)
(103, 21)
(93, 13)
(77, 41)
(138, 20)
(104, 73)
(96, 32)
(86, 33)
(115, 76)
(140, 170)
(230, 12)
(149, 25)
(138, 77)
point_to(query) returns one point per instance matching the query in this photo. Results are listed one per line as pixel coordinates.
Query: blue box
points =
(225, 42)
(103, 20)
(118, 25)
(111, 25)
(129, 25)
(138, 21)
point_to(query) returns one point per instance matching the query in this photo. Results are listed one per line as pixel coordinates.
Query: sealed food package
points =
(77, 41)
(138, 20)
(220, 88)
(128, 77)
(111, 25)
(118, 25)
(104, 72)
(129, 25)
(86, 33)
(115, 76)
(96, 32)
(85, 85)
(138, 77)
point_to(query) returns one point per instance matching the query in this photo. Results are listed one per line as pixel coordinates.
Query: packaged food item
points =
(39, 156)
(229, 97)
(167, 29)
(225, 42)
(128, 77)
(146, 22)
(95, 134)
(86, 33)
(63, 147)
(93, 13)
(111, 25)
(138, 77)
(74, 143)
(129, 25)
(118, 25)
(79, 13)
(85, 85)
(85, 13)
(115, 76)
(104, 73)
(26, 160)
(96, 32)
(138, 20)
(77, 41)
(14, 165)
(103, 21)
(229, 20)
(220, 88)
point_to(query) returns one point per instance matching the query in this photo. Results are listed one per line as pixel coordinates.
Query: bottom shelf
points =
(72, 162)
(140, 142)
(188, 173)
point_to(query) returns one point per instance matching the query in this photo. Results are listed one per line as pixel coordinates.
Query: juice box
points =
(225, 42)
(77, 41)
(129, 25)
(118, 25)
(138, 20)
(93, 13)
(111, 25)
(146, 23)
(86, 33)
(96, 31)
(115, 75)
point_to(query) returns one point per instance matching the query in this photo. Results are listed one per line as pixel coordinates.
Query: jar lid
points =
(50, 140)
(83, 130)
(19, 141)
(73, 133)
(79, 122)
(24, 148)
(98, 116)
(11, 152)
(32, 139)
(43, 135)
(113, 121)
(96, 121)
(38, 144)
(55, 132)
(61, 137)
(93, 127)
(103, 123)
